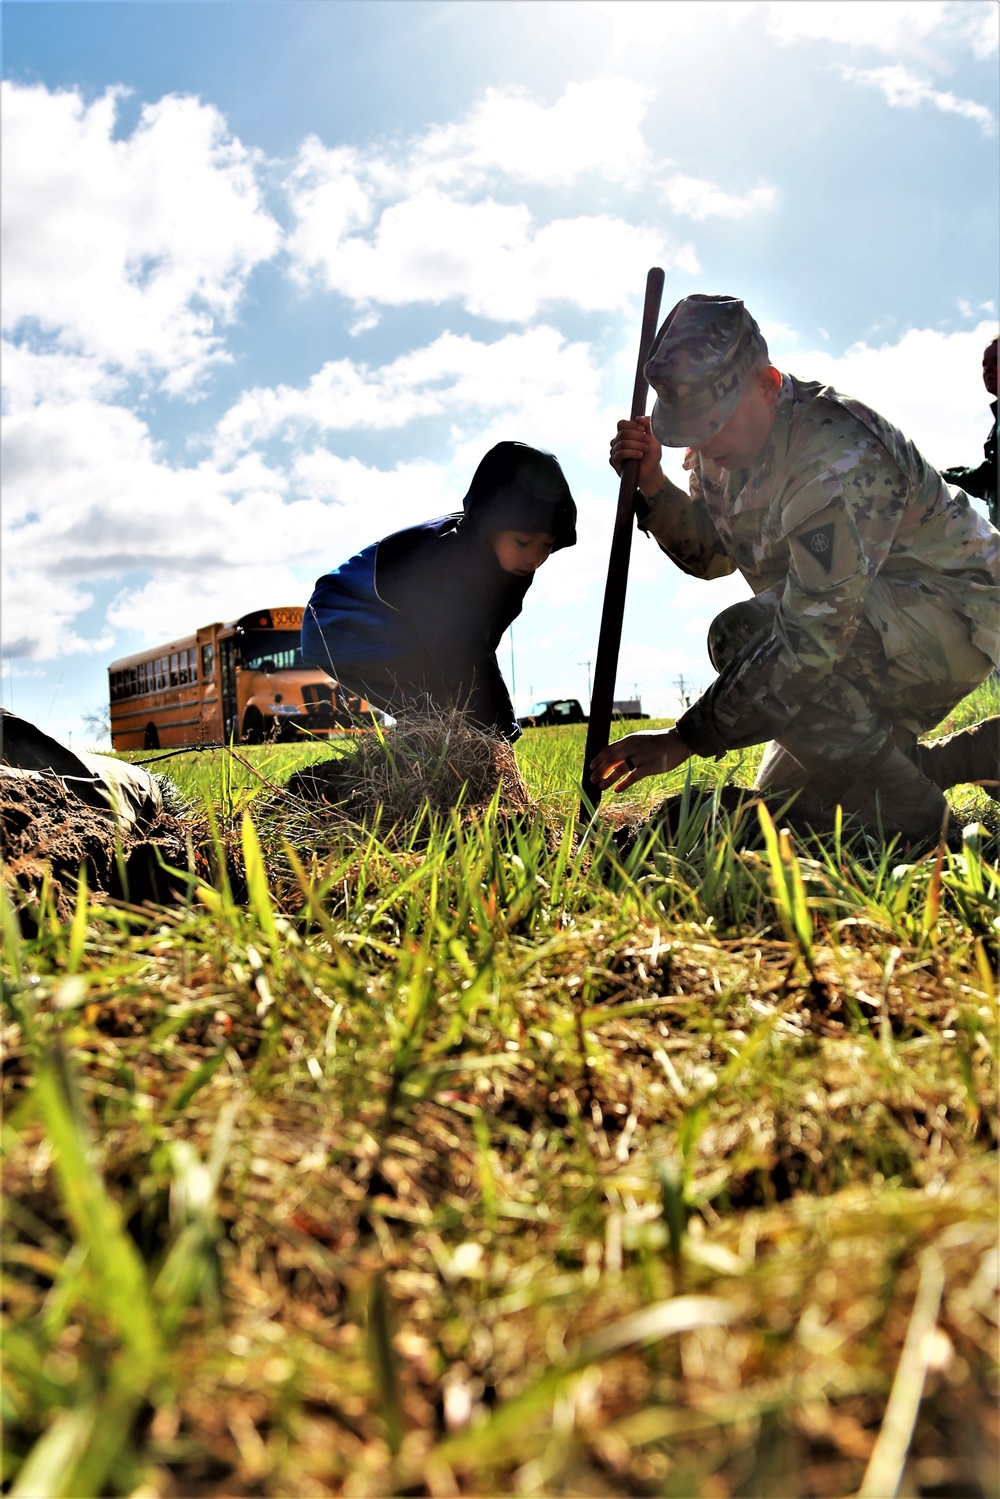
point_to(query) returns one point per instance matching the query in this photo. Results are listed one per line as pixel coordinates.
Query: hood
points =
(518, 488)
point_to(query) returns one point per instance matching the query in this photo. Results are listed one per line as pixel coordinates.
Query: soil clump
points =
(48, 831)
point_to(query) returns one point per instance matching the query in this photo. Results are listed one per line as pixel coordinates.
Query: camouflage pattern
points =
(881, 584)
(696, 365)
(864, 703)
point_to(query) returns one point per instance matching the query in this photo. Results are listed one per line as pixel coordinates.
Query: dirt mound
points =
(438, 760)
(47, 830)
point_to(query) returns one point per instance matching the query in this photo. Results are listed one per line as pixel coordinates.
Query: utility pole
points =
(587, 664)
(685, 697)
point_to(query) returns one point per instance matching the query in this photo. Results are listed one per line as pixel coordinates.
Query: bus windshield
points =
(270, 650)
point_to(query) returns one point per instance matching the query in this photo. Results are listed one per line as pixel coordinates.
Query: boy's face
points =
(522, 552)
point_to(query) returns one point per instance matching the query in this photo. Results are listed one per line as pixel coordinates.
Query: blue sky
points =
(277, 274)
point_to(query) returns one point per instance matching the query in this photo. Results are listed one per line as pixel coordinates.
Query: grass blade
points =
(257, 889)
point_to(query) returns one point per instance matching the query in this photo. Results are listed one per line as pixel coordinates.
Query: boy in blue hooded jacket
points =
(418, 616)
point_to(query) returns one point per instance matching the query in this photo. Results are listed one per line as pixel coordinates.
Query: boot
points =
(970, 755)
(886, 791)
(893, 794)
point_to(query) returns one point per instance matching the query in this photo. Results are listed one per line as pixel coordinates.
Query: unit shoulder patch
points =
(826, 551)
(819, 544)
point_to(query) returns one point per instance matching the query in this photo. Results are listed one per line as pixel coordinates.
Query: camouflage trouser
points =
(867, 707)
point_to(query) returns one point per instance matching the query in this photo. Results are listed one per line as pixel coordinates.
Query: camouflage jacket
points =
(844, 520)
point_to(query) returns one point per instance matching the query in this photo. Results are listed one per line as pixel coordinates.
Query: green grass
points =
(479, 1162)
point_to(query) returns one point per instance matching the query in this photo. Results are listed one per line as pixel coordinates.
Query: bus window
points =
(207, 662)
(173, 669)
(161, 672)
(281, 648)
(142, 677)
(182, 667)
(193, 664)
(131, 681)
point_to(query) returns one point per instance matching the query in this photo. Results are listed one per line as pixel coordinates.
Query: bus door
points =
(208, 684)
(230, 706)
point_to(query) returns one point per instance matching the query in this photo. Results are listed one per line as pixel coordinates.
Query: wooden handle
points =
(609, 641)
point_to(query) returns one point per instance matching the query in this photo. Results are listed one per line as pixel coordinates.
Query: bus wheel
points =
(253, 727)
(151, 739)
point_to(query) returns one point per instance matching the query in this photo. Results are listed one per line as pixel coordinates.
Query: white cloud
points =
(167, 606)
(594, 128)
(638, 26)
(779, 335)
(40, 621)
(698, 199)
(328, 195)
(92, 499)
(929, 384)
(535, 376)
(31, 377)
(88, 498)
(904, 90)
(132, 251)
(424, 220)
(898, 27)
(488, 255)
(887, 25)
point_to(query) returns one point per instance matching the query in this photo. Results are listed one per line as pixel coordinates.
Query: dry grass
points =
(485, 1163)
(433, 761)
(497, 1192)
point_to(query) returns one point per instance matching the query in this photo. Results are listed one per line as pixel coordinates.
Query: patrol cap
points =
(696, 366)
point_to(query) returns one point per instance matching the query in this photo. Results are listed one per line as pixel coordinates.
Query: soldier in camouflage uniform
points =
(877, 587)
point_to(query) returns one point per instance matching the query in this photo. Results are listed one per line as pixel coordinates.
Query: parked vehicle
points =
(244, 680)
(556, 710)
(551, 711)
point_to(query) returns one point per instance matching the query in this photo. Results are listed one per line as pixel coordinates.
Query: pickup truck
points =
(553, 710)
(556, 710)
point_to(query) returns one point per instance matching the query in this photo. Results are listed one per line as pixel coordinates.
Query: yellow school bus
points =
(243, 680)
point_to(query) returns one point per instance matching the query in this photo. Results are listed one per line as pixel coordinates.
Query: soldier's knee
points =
(732, 631)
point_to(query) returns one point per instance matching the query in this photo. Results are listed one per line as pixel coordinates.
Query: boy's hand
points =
(636, 440)
(648, 752)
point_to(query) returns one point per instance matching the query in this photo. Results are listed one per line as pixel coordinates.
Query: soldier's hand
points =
(636, 440)
(648, 752)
